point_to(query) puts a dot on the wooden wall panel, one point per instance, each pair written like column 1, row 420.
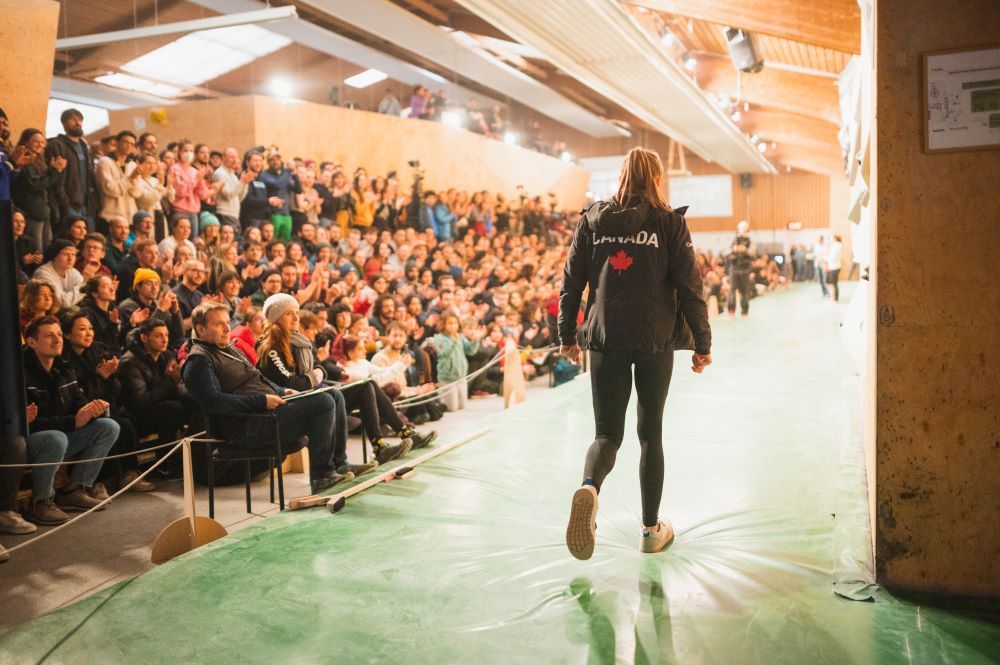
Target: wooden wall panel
column 772, row 201
column 28, row 33
column 450, row 157
column 937, row 432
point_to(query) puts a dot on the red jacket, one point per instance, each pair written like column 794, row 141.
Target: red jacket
column 243, row 339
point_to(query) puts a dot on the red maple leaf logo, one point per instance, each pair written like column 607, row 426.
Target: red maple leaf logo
column 620, row 261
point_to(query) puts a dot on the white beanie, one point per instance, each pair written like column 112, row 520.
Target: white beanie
column 277, row 305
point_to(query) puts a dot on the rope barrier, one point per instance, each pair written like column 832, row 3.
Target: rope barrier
column 427, row 397
column 94, row 459
column 103, row 503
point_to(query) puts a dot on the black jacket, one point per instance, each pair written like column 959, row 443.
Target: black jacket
column 75, row 188
column 105, row 330
column 644, row 282
column 144, row 380
column 300, row 376
column 56, row 392
column 94, row 386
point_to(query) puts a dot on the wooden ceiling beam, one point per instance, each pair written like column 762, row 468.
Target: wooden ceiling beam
column 834, row 24
column 812, row 96
column 792, row 128
column 806, row 160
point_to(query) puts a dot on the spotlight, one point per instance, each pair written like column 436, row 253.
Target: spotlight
column 754, row 139
column 281, row 88
column 510, row 138
column 566, row 156
column 736, row 116
column 762, row 147
column 667, row 39
column 690, row 63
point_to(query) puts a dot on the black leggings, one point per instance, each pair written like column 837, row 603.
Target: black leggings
column 832, row 278
column 611, row 385
column 739, row 281
column 375, row 408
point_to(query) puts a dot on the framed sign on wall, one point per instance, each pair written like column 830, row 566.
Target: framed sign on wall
column 962, row 99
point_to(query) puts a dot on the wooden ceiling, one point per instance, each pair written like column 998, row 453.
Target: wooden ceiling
column 793, row 100
column 805, row 45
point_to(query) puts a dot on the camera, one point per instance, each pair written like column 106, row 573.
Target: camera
column 322, row 339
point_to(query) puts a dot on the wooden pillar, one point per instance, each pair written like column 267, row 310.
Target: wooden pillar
column 28, row 33
column 937, row 430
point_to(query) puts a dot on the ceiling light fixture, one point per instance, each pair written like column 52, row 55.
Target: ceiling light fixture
column 281, row 88
column 366, row 78
column 566, row 156
column 690, row 63
column 736, row 116
column 510, row 138
column 762, row 147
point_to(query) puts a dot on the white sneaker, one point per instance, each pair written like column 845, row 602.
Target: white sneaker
column 12, row 522
column 656, row 538
column 581, row 532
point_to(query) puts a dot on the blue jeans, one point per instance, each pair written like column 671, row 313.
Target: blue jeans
column 313, row 416
column 92, row 440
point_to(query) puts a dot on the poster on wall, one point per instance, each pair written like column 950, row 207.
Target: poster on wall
column 962, row 99
column 707, row 195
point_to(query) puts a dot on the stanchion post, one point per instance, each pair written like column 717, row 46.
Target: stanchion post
column 513, row 375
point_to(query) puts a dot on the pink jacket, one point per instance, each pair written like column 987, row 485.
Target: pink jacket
column 189, row 188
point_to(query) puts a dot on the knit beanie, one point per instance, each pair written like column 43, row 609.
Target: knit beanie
column 144, row 275
column 139, row 216
column 208, row 219
column 277, row 305
column 52, row 251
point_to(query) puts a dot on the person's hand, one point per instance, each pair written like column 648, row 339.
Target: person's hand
column 163, row 303
column 33, row 258
column 58, row 163
column 174, row 305
column 247, row 177
column 113, row 316
column 21, row 156
column 173, row 370
column 406, row 359
column 87, row 413
column 138, row 316
column 106, row 368
column 323, row 351
column 90, row 269
column 571, row 351
column 243, row 304
column 32, row 412
column 273, row 402
column 275, row 201
column 346, row 378
column 700, row 362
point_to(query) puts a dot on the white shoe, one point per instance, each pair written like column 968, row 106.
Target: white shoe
column 581, row 532
column 656, row 538
column 12, row 522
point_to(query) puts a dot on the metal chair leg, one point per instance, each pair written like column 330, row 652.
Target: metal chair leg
column 246, row 468
column 364, row 445
column 211, row 484
column 270, row 473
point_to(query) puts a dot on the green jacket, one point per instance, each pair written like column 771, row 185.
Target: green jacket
column 452, row 363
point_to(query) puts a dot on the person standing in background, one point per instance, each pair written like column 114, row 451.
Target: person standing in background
column 740, row 261
column 833, row 264
column 389, row 104
column 819, row 260
column 76, row 192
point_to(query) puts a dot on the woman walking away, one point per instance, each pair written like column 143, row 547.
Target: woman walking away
column 635, row 254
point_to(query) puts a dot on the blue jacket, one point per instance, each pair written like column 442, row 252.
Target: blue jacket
column 442, row 221
column 281, row 184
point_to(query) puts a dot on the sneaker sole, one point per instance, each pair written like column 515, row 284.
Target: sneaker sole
column 580, row 531
column 35, row 520
column 19, row 531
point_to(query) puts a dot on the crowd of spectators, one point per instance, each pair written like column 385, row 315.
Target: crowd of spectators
column 491, row 122
column 131, row 252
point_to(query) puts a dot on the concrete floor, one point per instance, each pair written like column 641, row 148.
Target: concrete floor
column 113, row 545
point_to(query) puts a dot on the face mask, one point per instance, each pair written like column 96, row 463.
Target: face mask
column 188, row 156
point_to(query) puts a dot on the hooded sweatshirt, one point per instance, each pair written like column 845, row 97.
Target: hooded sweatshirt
column 645, row 288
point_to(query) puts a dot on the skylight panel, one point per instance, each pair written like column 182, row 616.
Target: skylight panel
column 127, row 82
column 94, row 117
column 366, row 78
column 207, row 54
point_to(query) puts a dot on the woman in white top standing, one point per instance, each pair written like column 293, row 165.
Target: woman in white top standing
column 833, row 267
